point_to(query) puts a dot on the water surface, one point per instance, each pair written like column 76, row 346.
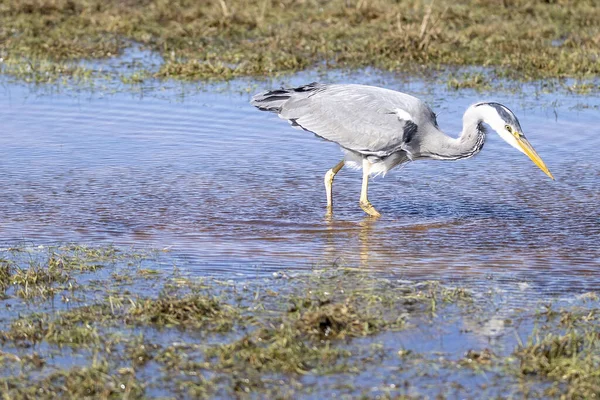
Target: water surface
column 237, row 192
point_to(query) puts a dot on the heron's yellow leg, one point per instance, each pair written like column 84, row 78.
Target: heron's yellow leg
column 365, row 204
column 329, row 184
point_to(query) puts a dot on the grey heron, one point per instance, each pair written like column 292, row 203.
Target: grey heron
column 379, row 129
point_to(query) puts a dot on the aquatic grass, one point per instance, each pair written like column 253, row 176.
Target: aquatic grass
column 52, row 270
column 192, row 310
column 141, row 351
column 341, row 305
column 83, row 326
column 40, row 71
column 39, row 281
column 56, row 269
column 279, row 349
column 475, row 359
column 5, row 274
column 84, row 258
column 354, row 316
column 26, row 362
column 76, row 327
column 478, row 81
column 25, row 331
column 572, row 359
column 36, row 274
column 583, row 87
column 450, row 295
column 330, row 330
column 299, row 342
column 41, row 40
column 337, row 321
column 96, row 381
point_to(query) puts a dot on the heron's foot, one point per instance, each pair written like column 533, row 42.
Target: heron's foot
column 369, row 209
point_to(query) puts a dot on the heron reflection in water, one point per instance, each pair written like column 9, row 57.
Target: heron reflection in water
column 380, row 129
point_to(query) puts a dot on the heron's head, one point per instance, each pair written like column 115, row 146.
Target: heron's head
column 503, row 121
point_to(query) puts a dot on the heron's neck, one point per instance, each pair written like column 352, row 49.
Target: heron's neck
column 470, row 141
column 472, row 137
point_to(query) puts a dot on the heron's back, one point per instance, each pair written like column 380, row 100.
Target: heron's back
column 290, row 98
column 368, row 120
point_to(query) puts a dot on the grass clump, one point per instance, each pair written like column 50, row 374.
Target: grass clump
column 5, row 274
column 77, row 327
column 306, row 338
column 38, row 280
column 83, row 326
column 324, row 319
column 39, row 71
column 45, row 273
column 140, row 351
column 94, row 382
column 192, row 310
column 571, row 359
column 337, row 321
column 83, row 259
column 37, row 274
column 280, row 349
column 476, row 81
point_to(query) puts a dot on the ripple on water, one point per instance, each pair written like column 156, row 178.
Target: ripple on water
column 234, row 190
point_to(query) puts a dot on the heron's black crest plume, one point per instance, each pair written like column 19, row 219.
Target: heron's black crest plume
column 505, row 113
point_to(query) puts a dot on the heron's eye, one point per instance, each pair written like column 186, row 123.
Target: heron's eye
column 508, row 128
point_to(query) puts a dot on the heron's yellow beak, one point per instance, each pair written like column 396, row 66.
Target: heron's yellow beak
column 528, row 149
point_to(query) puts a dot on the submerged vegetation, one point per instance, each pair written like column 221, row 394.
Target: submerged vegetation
column 43, row 40
column 312, row 333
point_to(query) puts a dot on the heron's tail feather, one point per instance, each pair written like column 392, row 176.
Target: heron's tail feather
column 273, row 100
column 270, row 101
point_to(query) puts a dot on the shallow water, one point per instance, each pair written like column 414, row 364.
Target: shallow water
column 237, row 192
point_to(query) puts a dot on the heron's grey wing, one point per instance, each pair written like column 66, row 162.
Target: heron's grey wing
column 364, row 119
